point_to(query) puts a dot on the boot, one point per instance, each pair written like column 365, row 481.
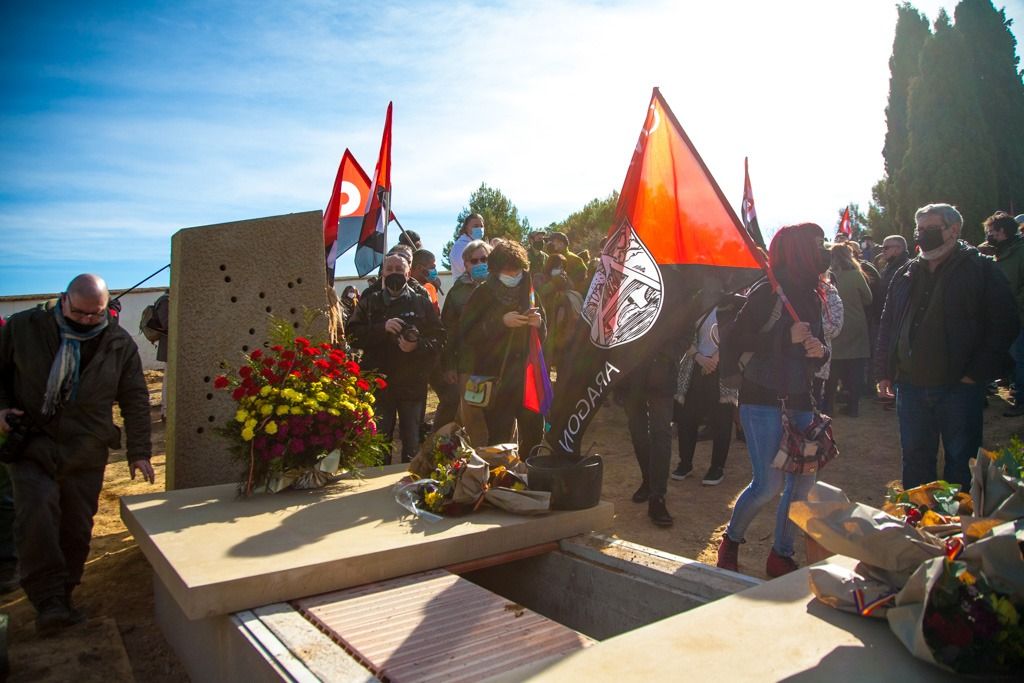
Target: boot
column 778, row 565
column 657, row 511
column 728, row 554
column 642, row 494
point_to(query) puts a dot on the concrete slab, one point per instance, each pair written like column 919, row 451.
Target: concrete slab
column 216, row 553
column 775, row 631
column 226, row 282
column 92, row 652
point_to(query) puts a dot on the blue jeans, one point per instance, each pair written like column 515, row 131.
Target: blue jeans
column 952, row 412
column 762, row 426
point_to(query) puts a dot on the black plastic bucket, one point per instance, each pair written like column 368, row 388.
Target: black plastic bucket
column 574, row 484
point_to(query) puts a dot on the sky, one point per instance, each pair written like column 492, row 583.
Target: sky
column 122, row 123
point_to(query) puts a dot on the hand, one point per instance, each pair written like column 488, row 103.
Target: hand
column 799, row 332
column 4, row 427
column 450, row 377
column 813, row 348
column 533, row 319
column 514, row 319
column 707, row 365
column 394, row 325
column 967, row 380
column 145, row 469
column 885, row 389
column 407, row 346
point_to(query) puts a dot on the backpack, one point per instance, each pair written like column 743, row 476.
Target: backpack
column 150, row 325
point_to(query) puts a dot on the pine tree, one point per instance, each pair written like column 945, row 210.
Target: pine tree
column 993, row 48
column 501, row 218
column 588, row 226
column 950, row 156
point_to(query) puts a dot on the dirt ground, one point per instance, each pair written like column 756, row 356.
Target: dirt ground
column 117, row 587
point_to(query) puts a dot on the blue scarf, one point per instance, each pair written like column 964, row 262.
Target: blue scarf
column 62, row 384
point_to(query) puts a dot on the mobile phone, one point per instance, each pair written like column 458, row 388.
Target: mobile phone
column 531, row 310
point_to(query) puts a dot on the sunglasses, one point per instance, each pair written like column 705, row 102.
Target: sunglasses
column 482, row 259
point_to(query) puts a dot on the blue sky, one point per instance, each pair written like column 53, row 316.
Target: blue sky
column 123, row 122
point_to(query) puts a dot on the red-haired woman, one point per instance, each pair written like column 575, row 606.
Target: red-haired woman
column 778, row 375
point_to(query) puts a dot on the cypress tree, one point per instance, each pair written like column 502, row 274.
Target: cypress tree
column 950, row 155
column 993, row 49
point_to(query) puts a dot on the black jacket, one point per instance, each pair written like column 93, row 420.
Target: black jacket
column 28, row 344
column 980, row 316
column 406, row 373
column 484, row 336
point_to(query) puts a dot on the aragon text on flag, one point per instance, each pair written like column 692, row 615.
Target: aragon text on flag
column 675, row 247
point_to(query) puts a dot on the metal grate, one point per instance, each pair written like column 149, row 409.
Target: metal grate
column 436, row 626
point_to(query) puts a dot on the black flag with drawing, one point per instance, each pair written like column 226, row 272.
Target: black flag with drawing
column 675, row 247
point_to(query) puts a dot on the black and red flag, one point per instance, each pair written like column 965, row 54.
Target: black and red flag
column 343, row 217
column 749, row 212
column 675, row 247
column 373, row 236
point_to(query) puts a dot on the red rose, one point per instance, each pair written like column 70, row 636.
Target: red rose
column 256, row 355
column 301, row 341
column 288, row 355
column 238, row 393
column 245, row 371
column 363, row 384
column 381, row 384
column 220, row 382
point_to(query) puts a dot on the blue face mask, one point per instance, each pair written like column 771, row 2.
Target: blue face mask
column 511, row 280
column 477, row 233
column 432, row 273
column 479, row 271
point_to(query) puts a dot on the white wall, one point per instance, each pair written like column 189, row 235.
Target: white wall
column 134, row 302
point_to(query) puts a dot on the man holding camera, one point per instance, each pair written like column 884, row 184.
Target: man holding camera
column 400, row 334
column 61, row 370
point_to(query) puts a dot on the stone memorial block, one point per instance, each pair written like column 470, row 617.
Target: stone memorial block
column 227, row 281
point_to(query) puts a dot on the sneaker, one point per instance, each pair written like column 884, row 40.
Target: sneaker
column 1016, row 410
column 642, row 494
column 681, row 473
column 657, row 511
column 714, row 477
column 53, row 614
column 728, row 554
column 778, row 565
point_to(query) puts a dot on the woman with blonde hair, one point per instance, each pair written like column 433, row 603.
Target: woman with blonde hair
column 852, row 346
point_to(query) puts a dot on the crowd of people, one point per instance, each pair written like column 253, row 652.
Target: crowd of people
column 931, row 332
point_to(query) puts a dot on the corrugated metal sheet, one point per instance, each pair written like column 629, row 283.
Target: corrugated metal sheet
column 436, row 626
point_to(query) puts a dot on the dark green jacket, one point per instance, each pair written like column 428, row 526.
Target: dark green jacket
column 28, row 344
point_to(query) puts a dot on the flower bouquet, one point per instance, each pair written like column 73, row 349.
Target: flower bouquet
column 450, row 478
column 304, row 413
column 950, row 583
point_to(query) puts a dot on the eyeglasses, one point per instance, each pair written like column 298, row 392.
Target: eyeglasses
column 474, row 261
column 85, row 314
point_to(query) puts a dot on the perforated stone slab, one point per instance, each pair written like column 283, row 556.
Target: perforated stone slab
column 226, row 282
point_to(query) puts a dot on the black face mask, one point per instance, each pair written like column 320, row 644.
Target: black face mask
column 395, row 282
column 930, row 240
column 79, row 327
column 824, row 260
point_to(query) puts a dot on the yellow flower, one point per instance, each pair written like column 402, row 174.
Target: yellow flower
column 282, row 410
column 265, row 390
column 296, row 410
column 967, row 578
column 291, row 395
column 321, row 396
column 432, row 498
column 316, row 386
column 370, row 398
column 350, row 390
column 270, row 427
column 266, row 409
column 241, row 416
column 334, row 411
column 1006, row 613
column 250, row 424
column 369, row 411
column 247, row 434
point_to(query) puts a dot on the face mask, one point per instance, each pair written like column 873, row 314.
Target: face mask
column 538, row 245
column 432, row 274
column 511, row 280
column 479, row 271
column 477, row 233
column 932, row 244
column 351, row 295
column 556, row 271
column 394, row 282
column 824, row 260
column 79, row 327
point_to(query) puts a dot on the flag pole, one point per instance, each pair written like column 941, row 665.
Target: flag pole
column 143, row 280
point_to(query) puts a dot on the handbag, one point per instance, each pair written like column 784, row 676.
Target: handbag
column 807, row 451
column 480, row 388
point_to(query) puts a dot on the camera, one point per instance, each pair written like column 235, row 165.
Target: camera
column 410, row 333
column 17, row 438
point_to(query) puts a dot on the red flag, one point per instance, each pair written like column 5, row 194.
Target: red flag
column 675, row 248
column 348, row 201
column 537, row 391
column 748, row 213
column 844, row 224
column 373, row 236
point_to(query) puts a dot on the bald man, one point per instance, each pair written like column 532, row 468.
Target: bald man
column 61, row 370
